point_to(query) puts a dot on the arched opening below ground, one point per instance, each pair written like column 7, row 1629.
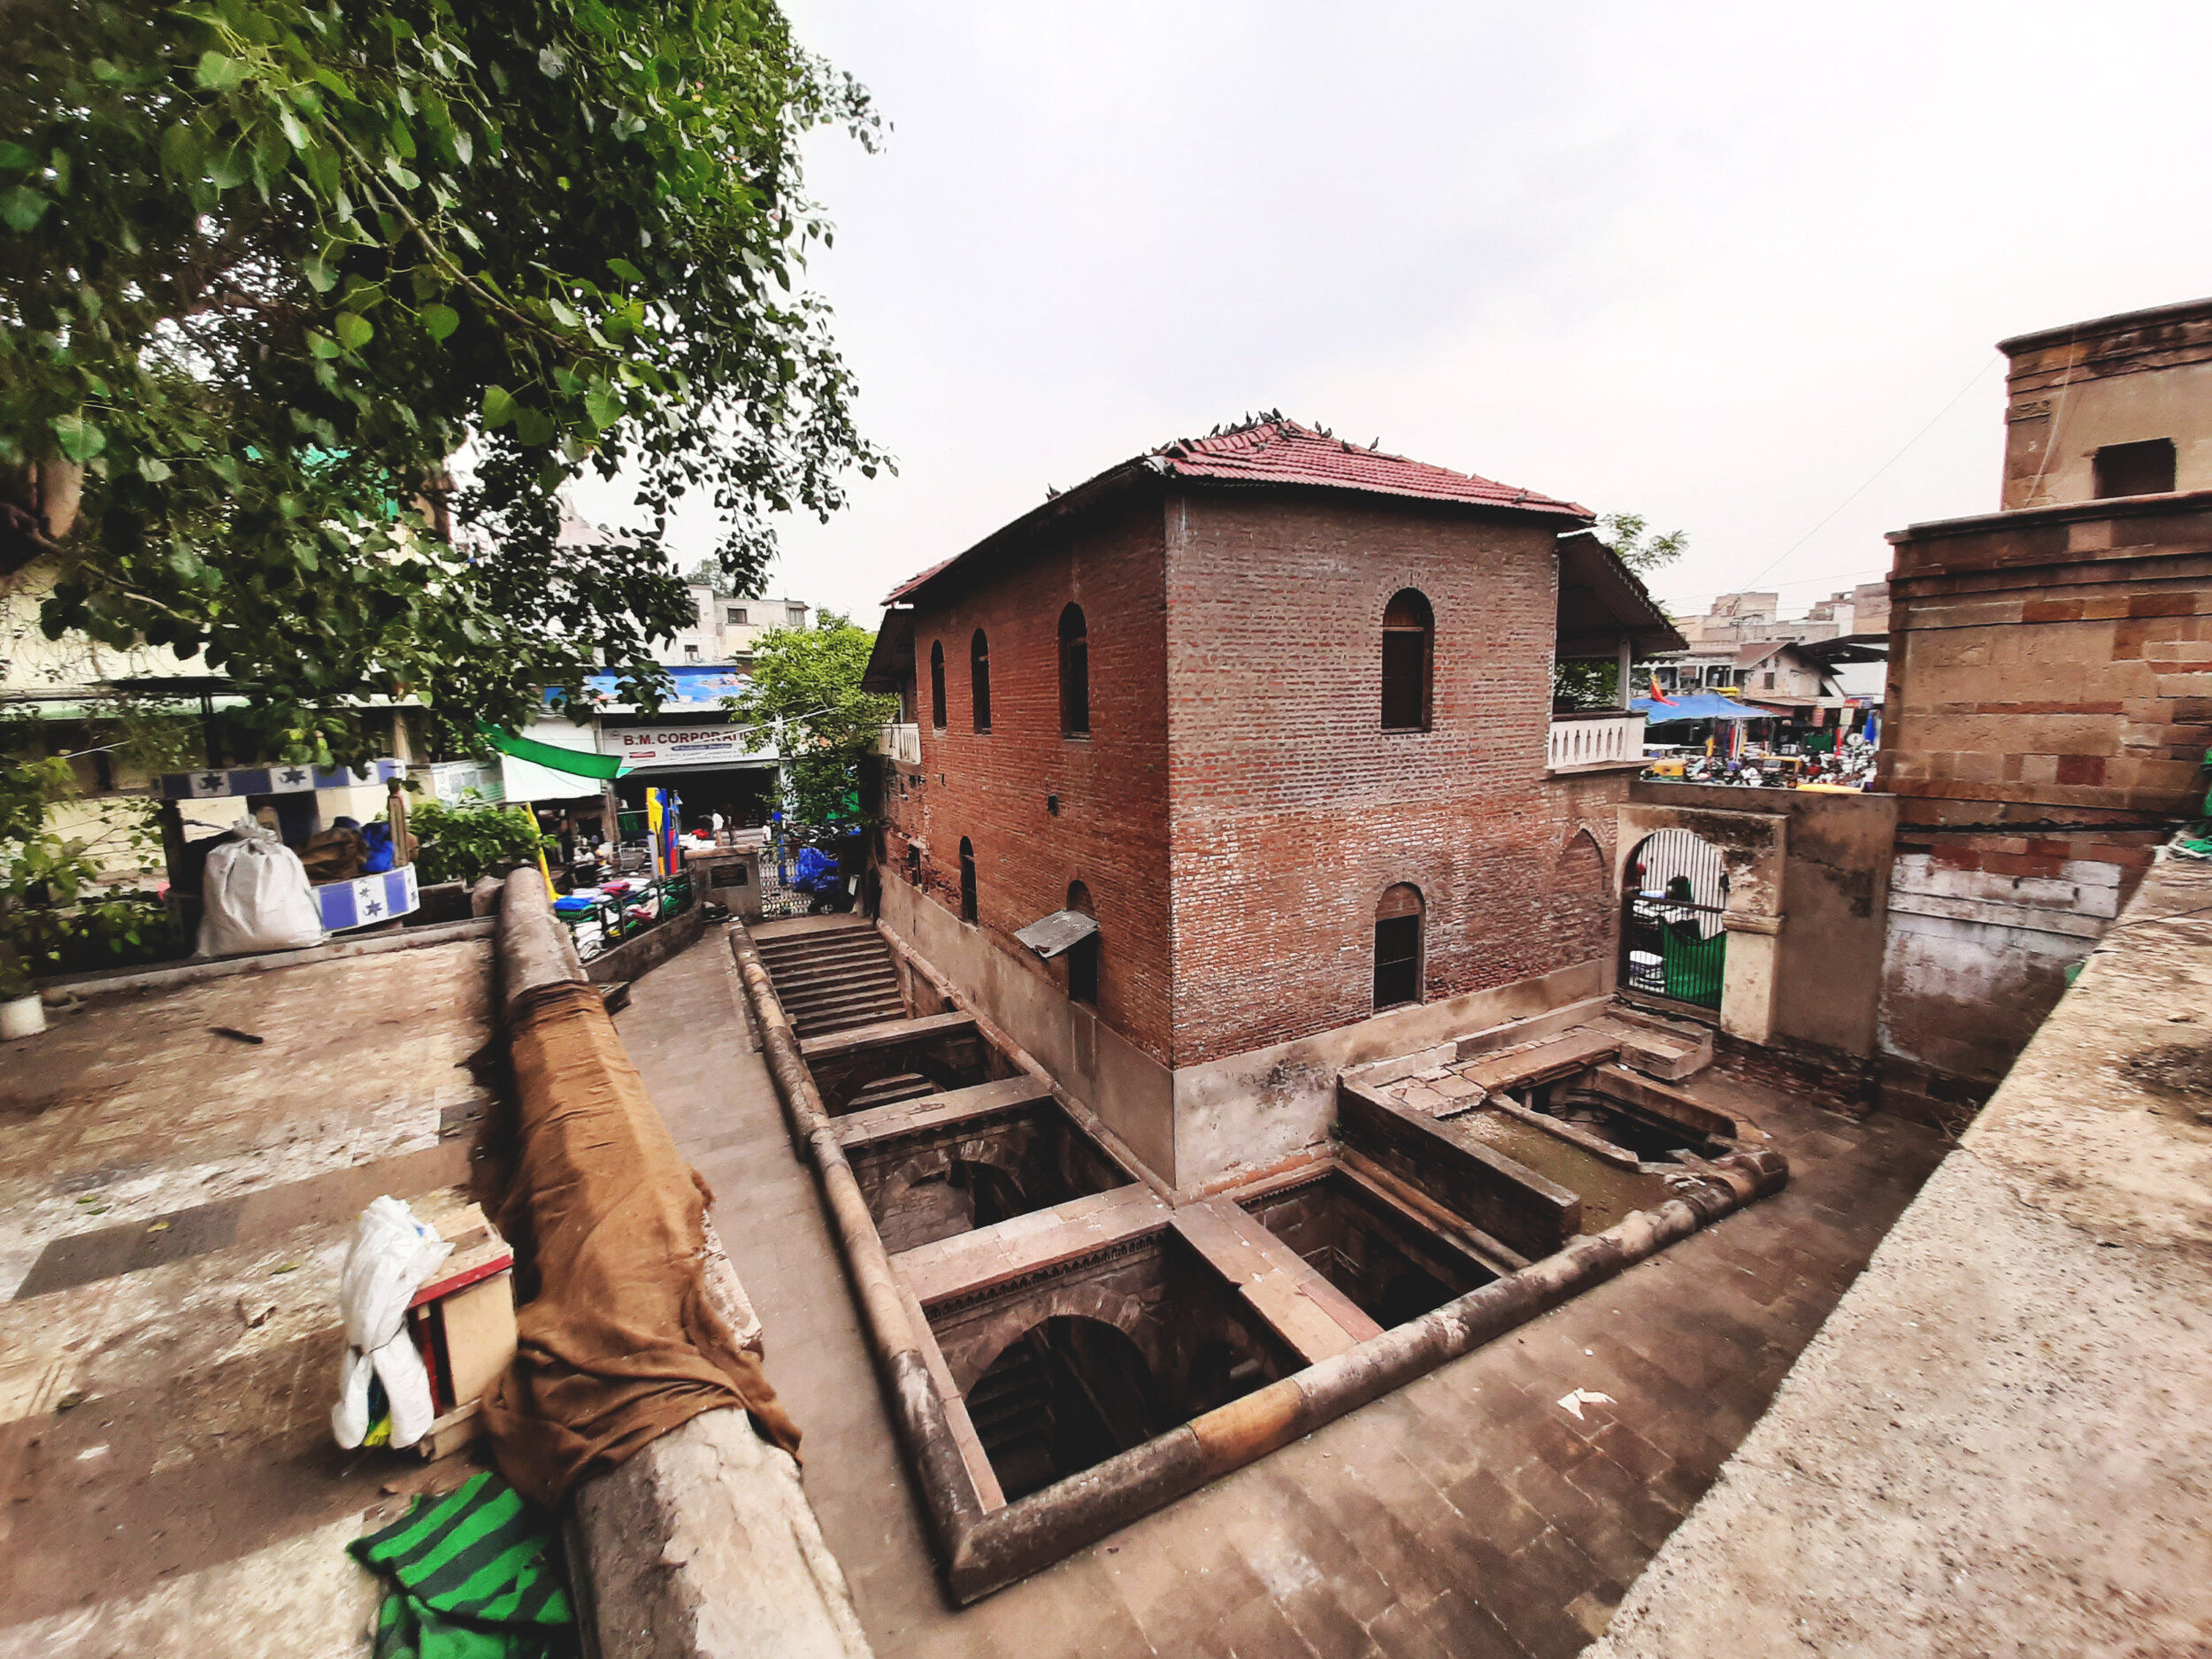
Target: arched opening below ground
column 1068, row 1393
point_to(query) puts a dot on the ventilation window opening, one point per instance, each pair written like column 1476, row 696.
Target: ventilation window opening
column 1075, row 674
column 937, row 684
column 967, row 880
column 1082, row 957
column 913, row 864
column 1398, row 947
column 2135, row 469
column 737, row 615
column 979, row 679
column 1407, row 656
column 691, row 653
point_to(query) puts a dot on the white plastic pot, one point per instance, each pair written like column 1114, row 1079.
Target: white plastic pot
column 22, row 1017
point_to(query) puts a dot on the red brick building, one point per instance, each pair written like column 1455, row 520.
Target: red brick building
column 1275, row 711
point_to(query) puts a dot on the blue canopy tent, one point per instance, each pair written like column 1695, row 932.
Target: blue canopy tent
column 1702, row 705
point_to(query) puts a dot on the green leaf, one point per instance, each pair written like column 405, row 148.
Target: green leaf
column 321, row 345
column 562, row 314
column 499, row 407
column 78, row 438
column 181, row 150
column 624, row 269
column 438, row 321
column 22, row 207
column 353, row 331
column 401, row 176
column 229, row 168
column 218, row 73
column 533, row 427
column 152, row 469
column 603, row 407
column 295, row 129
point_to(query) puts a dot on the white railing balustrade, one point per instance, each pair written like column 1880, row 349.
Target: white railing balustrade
column 901, row 743
column 1602, row 737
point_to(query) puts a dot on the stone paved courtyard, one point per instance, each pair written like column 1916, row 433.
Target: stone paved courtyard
column 1467, row 1514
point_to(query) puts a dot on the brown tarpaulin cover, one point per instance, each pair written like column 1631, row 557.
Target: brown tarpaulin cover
column 619, row 1344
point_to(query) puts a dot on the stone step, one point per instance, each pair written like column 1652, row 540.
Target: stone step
column 835, row 973
column 831, row 998
column 849, row 1016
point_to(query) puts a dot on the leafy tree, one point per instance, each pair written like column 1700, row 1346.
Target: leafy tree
column 1594, row 685
column 267, row 267
column 806, row 688
column 1642, row 550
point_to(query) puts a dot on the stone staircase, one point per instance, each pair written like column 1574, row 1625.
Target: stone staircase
column 833, row 979
column 1010, row 1406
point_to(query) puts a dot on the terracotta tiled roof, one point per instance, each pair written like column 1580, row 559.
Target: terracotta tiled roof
column 1277, row 452
column 1283, row 452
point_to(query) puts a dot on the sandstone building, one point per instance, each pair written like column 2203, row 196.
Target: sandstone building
column 2050, row 693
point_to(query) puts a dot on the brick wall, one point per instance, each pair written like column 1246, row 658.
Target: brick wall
column 1293, row 811
column 1110, row 831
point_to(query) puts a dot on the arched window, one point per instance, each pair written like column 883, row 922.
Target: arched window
column 1083, row 956
column 1408, row 649
column 967, row 875
column 979, row 679
column 1398, row 947
column 937, row 684
column 1075, row 674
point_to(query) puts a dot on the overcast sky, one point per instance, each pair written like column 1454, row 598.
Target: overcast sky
column 1714, row 264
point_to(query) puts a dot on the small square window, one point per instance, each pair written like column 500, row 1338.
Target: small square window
column 2135, row 469
column 737, row 615
column 691, row 653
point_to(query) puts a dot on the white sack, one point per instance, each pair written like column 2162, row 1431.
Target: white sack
column 391, row 1254
column 256, row 897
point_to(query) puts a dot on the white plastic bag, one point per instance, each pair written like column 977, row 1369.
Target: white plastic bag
column 256, row 896
column 391, row 1254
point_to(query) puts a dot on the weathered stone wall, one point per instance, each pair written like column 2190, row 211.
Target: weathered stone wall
column 1823, row 878
column 1155, row 1291
column 2115, row 380
column 2050, row 702
column 921, row 1186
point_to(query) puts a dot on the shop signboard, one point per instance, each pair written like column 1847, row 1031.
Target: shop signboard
column 708, row 742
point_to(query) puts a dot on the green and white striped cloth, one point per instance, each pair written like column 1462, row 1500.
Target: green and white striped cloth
column 470, row 1577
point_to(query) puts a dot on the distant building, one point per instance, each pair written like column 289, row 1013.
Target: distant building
column 725, row 627
column 730, row 626
column 1732, row 646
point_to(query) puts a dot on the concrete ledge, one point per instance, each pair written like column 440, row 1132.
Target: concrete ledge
column 702, row 1545
column 61, row 991
column 634, row 958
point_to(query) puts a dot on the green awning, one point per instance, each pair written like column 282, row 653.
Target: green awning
column 577, row 762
